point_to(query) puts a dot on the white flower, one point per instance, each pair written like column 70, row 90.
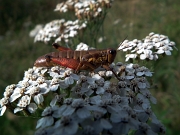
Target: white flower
column 122, row 123
column 57, row 99
column 100, row 123
column 148, row 95
column 33, row 89
column 54, row 84
column 16, row 94
column 130, row 76
column 78, row 106
column 128, row 56
column 149, row 48
column 109, row 73
column 44, row 131
column 141, row 101
column 143, row 71
column 60, row 29
column 2, row 110
column 101, row 39
column 144, row 129
column 23, row 83
column 34, row 32
column 9, row 90
column 158, row 127
column 72, row 33
column 146, row 54
column 84, row 9
column 3, row 102
column 82, row 46
column 164, row 49
column 48, row 114
column 66, row 126
column 24, row 101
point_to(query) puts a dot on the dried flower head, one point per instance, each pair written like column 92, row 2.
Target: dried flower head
column 86, row 9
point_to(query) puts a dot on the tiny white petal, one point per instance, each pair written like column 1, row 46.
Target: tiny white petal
column 168, row 52
column 148, row 73
column 68, row 80
column 74, row 76
column 109, row 73
column 105, row 124
column 95, row 99
column 2, row 110
column 17, row 109
column 62, row 108
column 160, row 51
column 69, row 111
column 143, row 56
column 54, row 87
column 54, row 74
column 140, row 51
column 129, row 77
column 91, row 80
column 153, row 100
column 129, row 66
column 141, row 85
column 53, row 101
column 32, row 107
column 100, row 90
column 83, row 113
column 14, row 96
column 96, row 77
column 140, row 73
column 73, row 126
column 38, row 98
column 45, row 122
column 63, row 85
column 43, row 71
column 127, row 58
column 97, row 108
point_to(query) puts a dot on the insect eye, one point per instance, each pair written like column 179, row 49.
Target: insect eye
column 112, row 51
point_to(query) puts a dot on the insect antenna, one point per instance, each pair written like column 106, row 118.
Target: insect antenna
column 121, row 43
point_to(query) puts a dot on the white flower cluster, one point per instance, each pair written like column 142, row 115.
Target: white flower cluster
column 82, row 46
column 86, row 103
column 84, row 9
column 35, row 31
column 60, row 30
column 148, row 48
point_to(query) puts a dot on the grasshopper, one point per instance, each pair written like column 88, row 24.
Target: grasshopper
column 78, row 60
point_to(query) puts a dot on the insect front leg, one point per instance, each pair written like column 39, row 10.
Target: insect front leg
column 83, row 65
column 89, row 62
column 111, row 69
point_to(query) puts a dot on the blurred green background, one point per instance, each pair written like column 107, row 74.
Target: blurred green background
column 135, row 18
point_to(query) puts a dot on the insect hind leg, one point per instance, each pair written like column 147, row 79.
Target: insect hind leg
column 84, row 65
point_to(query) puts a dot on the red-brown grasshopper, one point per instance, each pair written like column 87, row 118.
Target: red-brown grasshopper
column 78, row 60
